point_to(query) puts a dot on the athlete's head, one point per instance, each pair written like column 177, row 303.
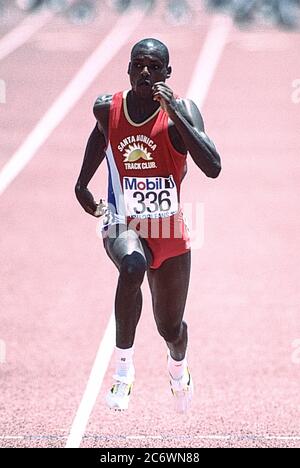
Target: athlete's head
column 149, row 64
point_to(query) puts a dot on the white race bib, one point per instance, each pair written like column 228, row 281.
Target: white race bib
column 150, row 197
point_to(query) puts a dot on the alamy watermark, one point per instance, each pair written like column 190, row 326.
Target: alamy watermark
column 2, row 352
column 296, row 92
column 2, row 92
column 158, row 222
column 296, row 352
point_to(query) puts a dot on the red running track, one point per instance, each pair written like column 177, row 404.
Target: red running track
column 57, row 286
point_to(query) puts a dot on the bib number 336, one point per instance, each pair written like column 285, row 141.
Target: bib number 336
column 151, row 197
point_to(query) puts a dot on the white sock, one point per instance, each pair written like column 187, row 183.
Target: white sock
column 124, row 362
column 176, row 368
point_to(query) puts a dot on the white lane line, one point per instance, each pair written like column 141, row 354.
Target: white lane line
column 93, row 386
column 103, row 54
column 208, row 61
column 22, row 32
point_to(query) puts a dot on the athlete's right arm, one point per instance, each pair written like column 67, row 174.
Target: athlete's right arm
column 94, row 155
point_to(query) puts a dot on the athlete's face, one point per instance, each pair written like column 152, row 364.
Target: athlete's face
column 147, row 67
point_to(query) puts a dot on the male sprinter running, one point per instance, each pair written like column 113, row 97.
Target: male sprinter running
column 145, row 134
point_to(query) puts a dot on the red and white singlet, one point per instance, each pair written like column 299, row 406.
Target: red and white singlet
column 145, row 175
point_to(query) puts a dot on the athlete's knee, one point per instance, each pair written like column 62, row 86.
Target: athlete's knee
column 172, row 332
column 169, row 332
column 133, row 268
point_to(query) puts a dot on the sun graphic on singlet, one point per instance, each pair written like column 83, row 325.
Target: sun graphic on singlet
column 135, row 152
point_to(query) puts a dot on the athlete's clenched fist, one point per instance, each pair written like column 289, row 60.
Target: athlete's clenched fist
column 165, row 96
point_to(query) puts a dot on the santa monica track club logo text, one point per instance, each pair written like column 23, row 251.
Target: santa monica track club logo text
column 136, row 148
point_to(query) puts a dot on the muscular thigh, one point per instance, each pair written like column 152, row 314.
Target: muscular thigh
column 169, row 286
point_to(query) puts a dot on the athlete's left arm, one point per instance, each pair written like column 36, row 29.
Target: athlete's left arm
column 189, row 124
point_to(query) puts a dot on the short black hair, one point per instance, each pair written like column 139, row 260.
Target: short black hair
column 155, row 44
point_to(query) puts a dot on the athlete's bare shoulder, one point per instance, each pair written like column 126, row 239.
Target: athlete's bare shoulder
column 103, row 99
column 102, row 105
column 101, row 111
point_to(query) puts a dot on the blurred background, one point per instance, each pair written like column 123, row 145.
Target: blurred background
column 281, row 13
